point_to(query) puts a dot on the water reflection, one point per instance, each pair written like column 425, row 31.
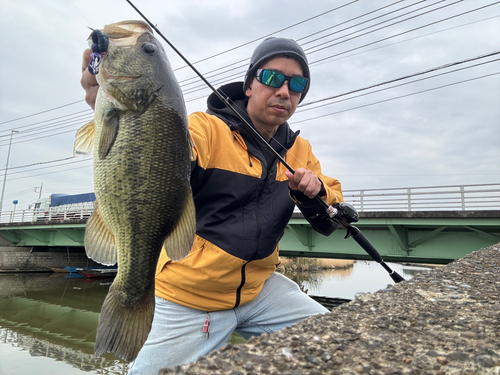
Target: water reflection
column 55, row 317
column 365, row 276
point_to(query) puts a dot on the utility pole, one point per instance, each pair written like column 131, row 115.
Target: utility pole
column 35, row 189
column 6, row 169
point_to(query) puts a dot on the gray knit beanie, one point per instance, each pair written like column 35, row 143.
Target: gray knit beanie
column 275, row 47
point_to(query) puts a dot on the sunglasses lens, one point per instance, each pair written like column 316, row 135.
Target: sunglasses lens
column 275, row 79
column 298, row 84
column 272, row 79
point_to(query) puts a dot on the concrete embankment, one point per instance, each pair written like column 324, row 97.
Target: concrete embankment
column 28, row 259
column 445, row 321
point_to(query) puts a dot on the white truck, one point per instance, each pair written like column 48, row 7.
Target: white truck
column 64, row 207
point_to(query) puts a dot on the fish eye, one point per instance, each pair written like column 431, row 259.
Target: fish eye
column 149, row 48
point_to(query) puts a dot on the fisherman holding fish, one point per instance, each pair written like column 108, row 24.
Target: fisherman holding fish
column 243, row 199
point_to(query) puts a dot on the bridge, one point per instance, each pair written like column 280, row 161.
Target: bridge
column 436, row 224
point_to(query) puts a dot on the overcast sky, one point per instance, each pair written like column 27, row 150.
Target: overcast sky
column 420, row 131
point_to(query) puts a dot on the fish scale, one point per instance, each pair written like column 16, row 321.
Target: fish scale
column 141, row 147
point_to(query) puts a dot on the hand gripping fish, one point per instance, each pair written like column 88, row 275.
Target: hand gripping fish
column 142, row 151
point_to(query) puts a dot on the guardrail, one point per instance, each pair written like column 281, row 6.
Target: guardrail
column 429, row 198
column 31, row 216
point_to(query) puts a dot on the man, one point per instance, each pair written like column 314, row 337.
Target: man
column 244, row 199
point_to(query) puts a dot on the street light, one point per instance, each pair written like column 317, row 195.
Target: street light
column 6, row 168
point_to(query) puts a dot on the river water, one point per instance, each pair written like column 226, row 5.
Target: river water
column 48, row 322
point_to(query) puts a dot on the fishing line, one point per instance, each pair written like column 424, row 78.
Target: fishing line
column 331, row 211
column 279, row 144
column 220, row 94
column 344, row 214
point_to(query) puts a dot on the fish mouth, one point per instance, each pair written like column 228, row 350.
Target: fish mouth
column 109, row 76
column 122, row 78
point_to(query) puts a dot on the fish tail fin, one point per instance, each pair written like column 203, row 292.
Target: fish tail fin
column 123, row 329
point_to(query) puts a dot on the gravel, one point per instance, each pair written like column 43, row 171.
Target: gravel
column 445, row 321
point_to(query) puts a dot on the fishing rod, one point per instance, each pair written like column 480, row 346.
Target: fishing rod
column 343, row 213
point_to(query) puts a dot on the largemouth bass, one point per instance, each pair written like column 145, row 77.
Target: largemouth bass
column 142, row 148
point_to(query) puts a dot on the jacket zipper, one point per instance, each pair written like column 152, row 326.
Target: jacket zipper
column 238, row 291
column 257, row 211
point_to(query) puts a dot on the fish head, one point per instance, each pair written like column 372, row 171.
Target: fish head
column 131, row 67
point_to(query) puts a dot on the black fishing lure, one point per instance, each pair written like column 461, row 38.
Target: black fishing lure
column 100, row 44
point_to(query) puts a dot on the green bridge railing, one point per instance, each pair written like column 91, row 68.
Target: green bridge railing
column 421, row 225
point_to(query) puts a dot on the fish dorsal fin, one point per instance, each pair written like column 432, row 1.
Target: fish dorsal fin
column 85, row 139
column 99, row 241
column 179, row 242
column 109, row 132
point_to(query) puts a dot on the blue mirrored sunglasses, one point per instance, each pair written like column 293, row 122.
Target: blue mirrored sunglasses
column 276, row 79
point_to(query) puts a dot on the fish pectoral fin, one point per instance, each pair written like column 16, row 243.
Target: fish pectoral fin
column 85, row 139
column 179, row 242
column 109, row 132
column 99, row 241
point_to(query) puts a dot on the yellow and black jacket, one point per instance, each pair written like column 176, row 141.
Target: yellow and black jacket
column 242, row 204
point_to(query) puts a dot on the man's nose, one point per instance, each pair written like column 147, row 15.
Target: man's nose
column 283, row 91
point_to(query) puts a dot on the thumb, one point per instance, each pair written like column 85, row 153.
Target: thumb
column 292, row 184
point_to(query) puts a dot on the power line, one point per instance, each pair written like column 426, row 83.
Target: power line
column 73, row 126
column 397, row 97
column 245, row 61
column 268, row 35
column 202, row 87
column 372, row 19
column 329, row 98
column 402, row 33
column 45, row 121
column 39, row 113
column 40, row 163
column 406, row 77
column 311, row 18
column 361, row 16
column 196, row 78
column 53, row 166
column 380, row 28
column 401, row 84
column 413, row 38
column 47, row 173
column 357, row 53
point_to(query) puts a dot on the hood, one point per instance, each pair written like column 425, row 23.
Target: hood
column 236, row 97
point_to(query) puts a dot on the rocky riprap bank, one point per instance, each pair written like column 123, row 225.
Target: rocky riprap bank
column 445, row 321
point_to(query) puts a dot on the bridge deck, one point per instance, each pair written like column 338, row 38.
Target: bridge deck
column 420, row 236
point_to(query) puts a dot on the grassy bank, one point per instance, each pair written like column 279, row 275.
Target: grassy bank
column 298, row 264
